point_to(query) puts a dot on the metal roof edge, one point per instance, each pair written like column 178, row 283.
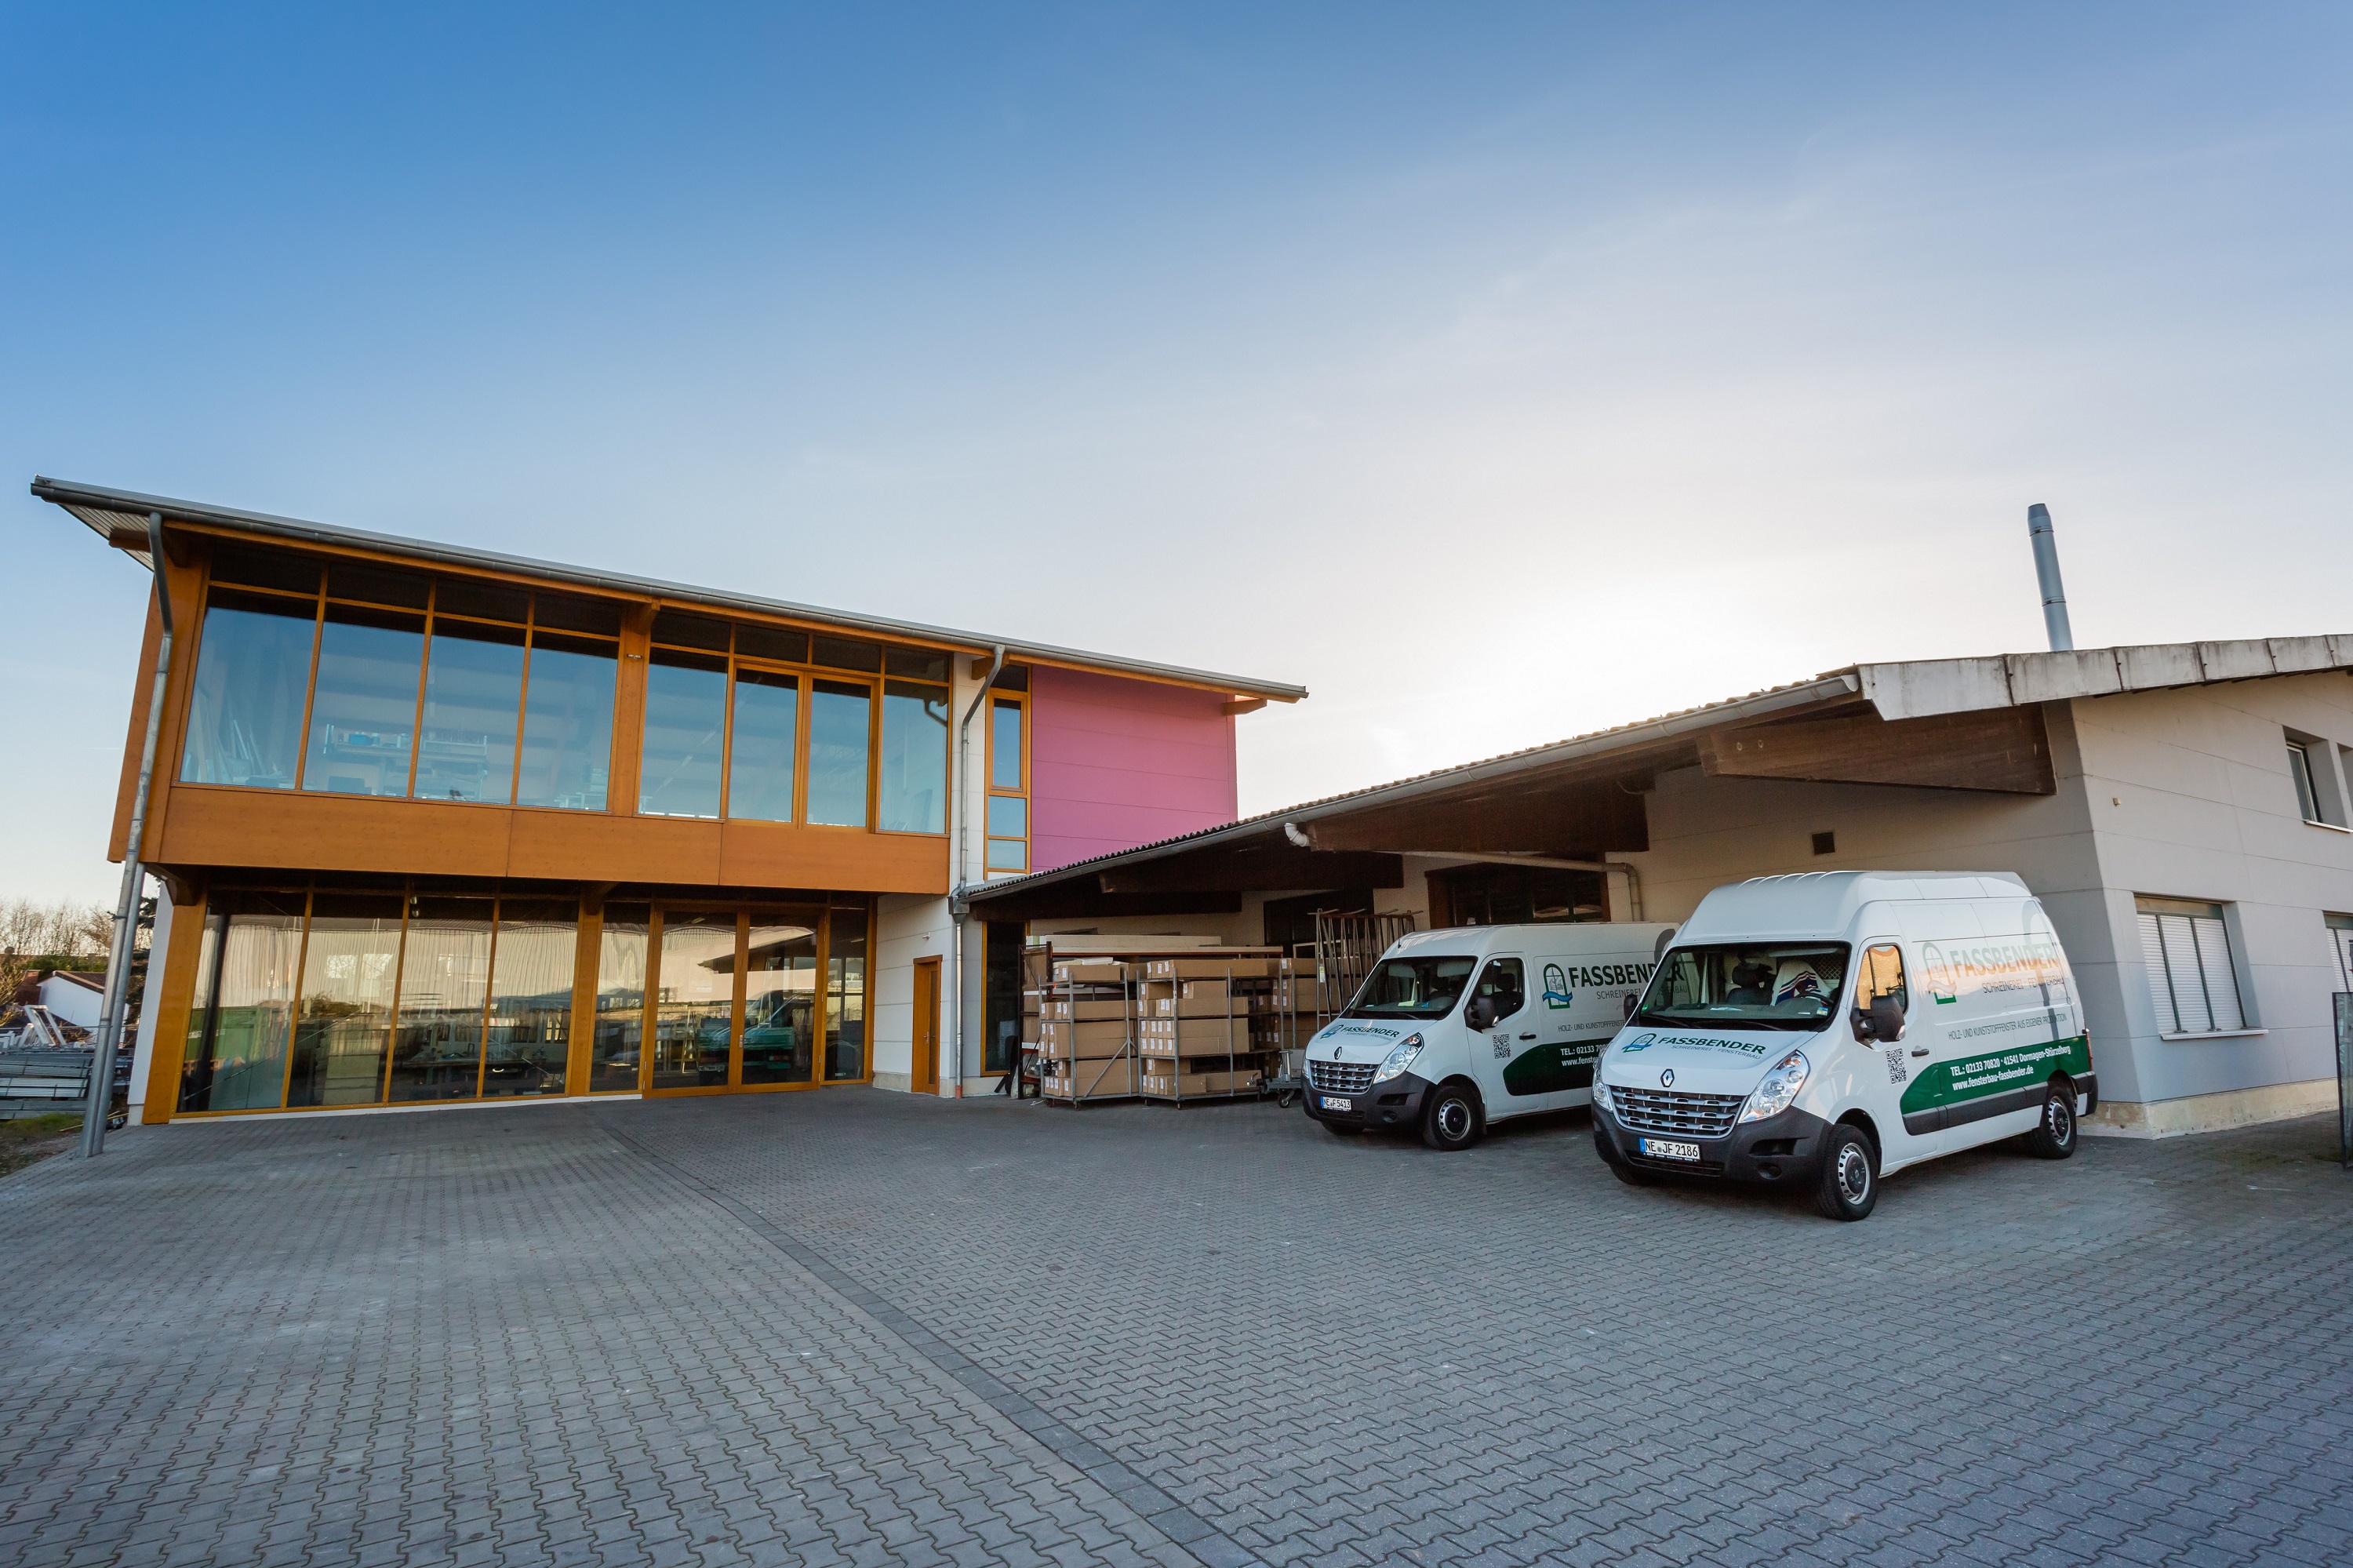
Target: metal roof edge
column 67, row 494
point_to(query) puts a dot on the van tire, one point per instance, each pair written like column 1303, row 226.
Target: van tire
column 1848, row 1188
column 2054, row 1136
column 1452, row 1120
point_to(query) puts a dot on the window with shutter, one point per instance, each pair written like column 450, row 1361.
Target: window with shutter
column 2191, row 982
column 2340, row 942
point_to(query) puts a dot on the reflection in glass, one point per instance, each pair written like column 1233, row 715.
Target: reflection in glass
column 621, row 1001
column 838, row 753
column 1008, row 817
column 760, row 755
column 914, row 758
column 363, row 710
column 695, row 1017
column 780, row 998
column 686, row 717
column 1004, row 745
column 245, row 707
column 1008, row 854
column 235, row 1058
column 567, row 724
column 845, row 985
column 530, row 1031
column 445, row 975
column 349, row 964
column 473, row 695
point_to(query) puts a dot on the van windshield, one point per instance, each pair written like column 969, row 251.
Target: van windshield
column 1412, row 988
column 1747, row 985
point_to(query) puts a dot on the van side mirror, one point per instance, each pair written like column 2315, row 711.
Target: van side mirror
column 1882, row 1021
column 1478, row 1012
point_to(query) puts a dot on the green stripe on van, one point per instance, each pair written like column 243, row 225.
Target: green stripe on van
column 1995, row 1073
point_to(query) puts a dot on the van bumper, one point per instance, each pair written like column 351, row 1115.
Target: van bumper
column 1779, row 1151
column 1394, row 1104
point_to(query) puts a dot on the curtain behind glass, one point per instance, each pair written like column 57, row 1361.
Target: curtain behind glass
column 914, row 758
column 363, row 704
column 686, row 718
column 245, row 707
column 350, row 966
column 760, row 751
column 695, row 1017
column 445, row 973
column 531, row 997
column 615, row 1050
column 838, row 753
column 235, row 1058
column 780, row 997
column 473, row 697
column 567, row 725
column 845, row 1012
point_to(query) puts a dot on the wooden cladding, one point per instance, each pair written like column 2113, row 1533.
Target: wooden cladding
column 2001, row 750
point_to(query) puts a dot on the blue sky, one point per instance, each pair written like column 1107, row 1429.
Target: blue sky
column 1498, row 372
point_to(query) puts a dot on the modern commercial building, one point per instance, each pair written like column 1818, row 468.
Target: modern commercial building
column 2182, row 811
column 435, row 825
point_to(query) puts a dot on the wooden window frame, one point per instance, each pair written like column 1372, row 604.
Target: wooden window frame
column 991, row 790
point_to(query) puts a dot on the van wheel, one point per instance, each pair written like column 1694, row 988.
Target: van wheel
column 1849, row 1187
column 1450, row 1121
column 2054, row 1136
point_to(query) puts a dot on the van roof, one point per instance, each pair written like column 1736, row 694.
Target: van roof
column 1822, row 902
column 1562, row 936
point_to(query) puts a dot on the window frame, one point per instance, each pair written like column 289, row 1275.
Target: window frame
column 2149, row 913
column 1018, row 700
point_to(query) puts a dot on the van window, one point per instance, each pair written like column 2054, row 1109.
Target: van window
column 1505, row 980
column 1412, row 988
column 1880, row 973
column 1747, row 985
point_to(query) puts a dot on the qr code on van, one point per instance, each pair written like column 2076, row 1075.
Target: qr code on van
column 1503, row 1049
column 1895, row 1074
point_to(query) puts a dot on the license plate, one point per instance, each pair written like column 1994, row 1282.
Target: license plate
column 1335, row 1102
column 1669, row 1149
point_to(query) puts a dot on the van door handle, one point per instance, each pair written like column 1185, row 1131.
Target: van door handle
column 1527, row 1036
column 1919, row 1050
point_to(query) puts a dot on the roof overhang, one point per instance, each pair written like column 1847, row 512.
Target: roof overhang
column 114, row 513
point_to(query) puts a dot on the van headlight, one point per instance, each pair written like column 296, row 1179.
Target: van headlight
column 1600, row 1094
column 1780, row 1086
column 1398, row 1060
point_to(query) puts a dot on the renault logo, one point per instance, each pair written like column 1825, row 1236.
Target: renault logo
column 1667, row 1079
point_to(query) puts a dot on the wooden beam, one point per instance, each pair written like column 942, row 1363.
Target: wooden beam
column 2006, row 750
column 1261, row 868
column 1570, row 822
column 1242, row 705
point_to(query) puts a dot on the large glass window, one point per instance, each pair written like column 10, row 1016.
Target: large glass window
column 914, row 794
column 235, row 1058
column 567, row 724
column 844, row 984
column 351, row 964
column 780, row 997
column 685, row 732
column 364, row 703
column 614, row 1052
column 695, row 1019
column 474, row 701
column 760, row 756
column 445, row 977
column 528, row 1036
column 245, row 708
column 838, row 748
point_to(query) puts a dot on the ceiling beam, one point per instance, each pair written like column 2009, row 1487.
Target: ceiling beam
column 2005, row 750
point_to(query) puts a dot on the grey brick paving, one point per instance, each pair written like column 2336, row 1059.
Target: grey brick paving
column 856, row 1328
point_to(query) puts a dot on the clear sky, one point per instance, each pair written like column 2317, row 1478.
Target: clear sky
column 1498, row 372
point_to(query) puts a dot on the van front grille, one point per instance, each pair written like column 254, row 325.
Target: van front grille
column 1341, row 1077
column 1672, row 1111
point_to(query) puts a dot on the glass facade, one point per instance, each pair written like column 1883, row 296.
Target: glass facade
column 445, row 978
column 567, row 723
column 342, row 1024
column 619, row 1043
column 694, row 1020
column 245, row 707
column 685, row 735
column 839, row 726
column 914, row 789
column 527, row 1034
column 473, row 706
column 1008, row 815
column 766, row 735
column 780, row 997
column 845, row 983
column 242, row 1012
column 364, row 702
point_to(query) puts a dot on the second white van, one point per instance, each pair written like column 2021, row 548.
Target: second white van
column 1823, row 1030
column 1458, row 1029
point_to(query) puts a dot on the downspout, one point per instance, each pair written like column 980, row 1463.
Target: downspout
column 957, row 908
column 117, row 999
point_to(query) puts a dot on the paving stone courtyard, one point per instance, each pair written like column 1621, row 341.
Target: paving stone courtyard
column 860, row 1328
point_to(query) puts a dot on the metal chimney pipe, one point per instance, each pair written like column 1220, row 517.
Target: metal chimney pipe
column 2046, row 569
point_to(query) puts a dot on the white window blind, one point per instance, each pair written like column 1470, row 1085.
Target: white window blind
column 2190, row 980
column 2340, row 942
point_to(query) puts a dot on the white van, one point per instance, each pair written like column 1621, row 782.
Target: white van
column 1825, row 1029
column 1427, row 1047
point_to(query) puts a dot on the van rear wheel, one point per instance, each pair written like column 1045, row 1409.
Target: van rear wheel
column 1849, row 1186
column 1450, row 1123
column 2054, row 1136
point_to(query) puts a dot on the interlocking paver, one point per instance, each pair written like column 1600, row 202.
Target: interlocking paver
column 633, row 1334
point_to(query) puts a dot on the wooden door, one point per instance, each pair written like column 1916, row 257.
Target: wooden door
column 925, row 1077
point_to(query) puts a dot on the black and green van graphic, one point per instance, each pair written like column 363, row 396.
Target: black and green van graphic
column 1549, row 1069
column 1992, row 1082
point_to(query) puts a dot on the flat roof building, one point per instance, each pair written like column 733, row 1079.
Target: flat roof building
column 436, row 825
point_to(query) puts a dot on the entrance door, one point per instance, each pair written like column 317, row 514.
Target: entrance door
column 925, row 1077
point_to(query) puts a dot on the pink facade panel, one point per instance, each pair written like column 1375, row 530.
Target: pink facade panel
column 1116, row 763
